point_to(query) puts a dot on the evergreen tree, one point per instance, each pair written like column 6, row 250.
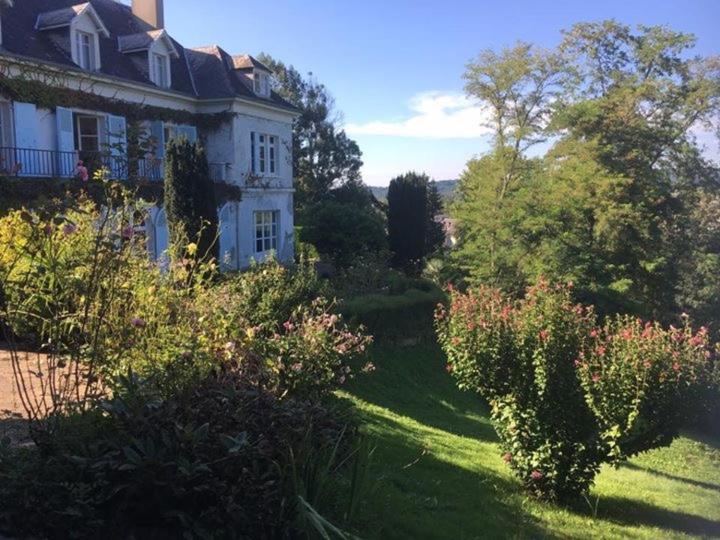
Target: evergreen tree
column 190, row 202
column 435, row 234
column 408, row 220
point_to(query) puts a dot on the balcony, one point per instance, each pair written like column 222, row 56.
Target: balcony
column 32, row 163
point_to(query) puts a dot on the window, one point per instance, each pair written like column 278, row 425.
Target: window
column 260, row 81
column 264, row 153
column 266, row 231
column 85, row 45
column 160, row 69
column 87, row 131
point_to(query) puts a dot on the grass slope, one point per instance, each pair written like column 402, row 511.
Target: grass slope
column 438, row 471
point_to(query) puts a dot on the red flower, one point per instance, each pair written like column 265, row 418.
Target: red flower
column 544, row 335
column 593, row 333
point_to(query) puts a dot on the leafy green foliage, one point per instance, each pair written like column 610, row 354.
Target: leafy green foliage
column 610, row 206
column 566, row 395
column 345, row 225
column 190, row 198
column 214, row 460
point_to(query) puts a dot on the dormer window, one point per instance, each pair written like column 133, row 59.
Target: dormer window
column 85, row 29
column 85, row 48
column 152, row 50
column 261, row 82
column 161, row 70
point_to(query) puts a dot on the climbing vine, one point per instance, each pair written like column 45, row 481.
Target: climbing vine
column 47, row 89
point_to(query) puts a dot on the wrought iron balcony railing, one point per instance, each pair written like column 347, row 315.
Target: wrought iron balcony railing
column 30, row 162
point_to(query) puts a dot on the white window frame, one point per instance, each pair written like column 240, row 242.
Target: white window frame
column 80, row 135
column 160, row 77
column 265, row 152
column 261, row 83
column 266, row 228
column 81, row 48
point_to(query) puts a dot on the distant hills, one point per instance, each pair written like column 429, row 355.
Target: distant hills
column 445, row 187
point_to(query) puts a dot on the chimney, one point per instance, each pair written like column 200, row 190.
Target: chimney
column 150, row 11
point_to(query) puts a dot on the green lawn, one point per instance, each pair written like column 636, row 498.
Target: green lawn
column 438, row 471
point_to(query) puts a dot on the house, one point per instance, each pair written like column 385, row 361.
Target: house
column 77, row 78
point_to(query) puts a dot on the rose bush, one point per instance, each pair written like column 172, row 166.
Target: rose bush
column 567, row 395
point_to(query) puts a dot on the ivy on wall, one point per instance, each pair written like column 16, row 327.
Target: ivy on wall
column 35, row 90
column 27, row 192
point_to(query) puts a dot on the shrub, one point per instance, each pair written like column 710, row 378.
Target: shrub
column 566, row 394
column 273, row 322
column 343, row 231
column 217, row 460
column 395, row 318
column 190, row 198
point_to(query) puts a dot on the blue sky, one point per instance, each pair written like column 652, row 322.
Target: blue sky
column 395, row 66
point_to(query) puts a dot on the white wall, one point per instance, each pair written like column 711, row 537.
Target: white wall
column 244, row 125
column 257, row 200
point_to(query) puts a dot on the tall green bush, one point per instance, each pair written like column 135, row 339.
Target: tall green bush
column 190, row 201
column 566, row 394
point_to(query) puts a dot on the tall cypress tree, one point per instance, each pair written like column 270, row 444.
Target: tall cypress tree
column 190, row 202
column 407, row 219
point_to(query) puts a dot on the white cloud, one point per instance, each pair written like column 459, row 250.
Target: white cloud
column 436, row 115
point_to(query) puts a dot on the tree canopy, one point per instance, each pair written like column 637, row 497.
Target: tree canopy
column 612, row 203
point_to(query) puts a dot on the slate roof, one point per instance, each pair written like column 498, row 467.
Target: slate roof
column 204, row 73
column 140, row 41
column 245, row 61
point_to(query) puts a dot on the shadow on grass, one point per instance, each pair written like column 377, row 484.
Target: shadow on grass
column 412, row 382
column 417, row 495
column 634, row 512
column 696, row 483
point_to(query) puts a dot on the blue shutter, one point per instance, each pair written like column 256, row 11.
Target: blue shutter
column 66, row 157
column 228, row 237
column 189, row 132
column 26, row 130
column 158, row 133
column 117, row 146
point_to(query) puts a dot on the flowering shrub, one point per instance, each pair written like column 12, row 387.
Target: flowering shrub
column 566, row 394
column 273, row 324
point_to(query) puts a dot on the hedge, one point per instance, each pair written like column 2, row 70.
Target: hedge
column 396, row 318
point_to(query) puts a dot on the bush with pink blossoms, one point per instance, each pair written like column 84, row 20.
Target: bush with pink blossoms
column 567, row 394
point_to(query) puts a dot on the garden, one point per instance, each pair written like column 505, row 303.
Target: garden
column 555, row 374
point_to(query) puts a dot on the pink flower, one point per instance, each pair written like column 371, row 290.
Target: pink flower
column 230, row 346
column 676, row 367
column 593, row 333
column 600, row 351
column 596, row 377
column 81, row 171
column 297, row 368
column 138, row 322
column 456, row 341
column 368, row 368
column 449, row 368
column 288, row 325
column 647, row 364
column 536, row 475
column 507, row 457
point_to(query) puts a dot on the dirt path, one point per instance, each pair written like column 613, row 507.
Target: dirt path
column 9, row 400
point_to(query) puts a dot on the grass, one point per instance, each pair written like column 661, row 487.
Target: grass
column 438, row 471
